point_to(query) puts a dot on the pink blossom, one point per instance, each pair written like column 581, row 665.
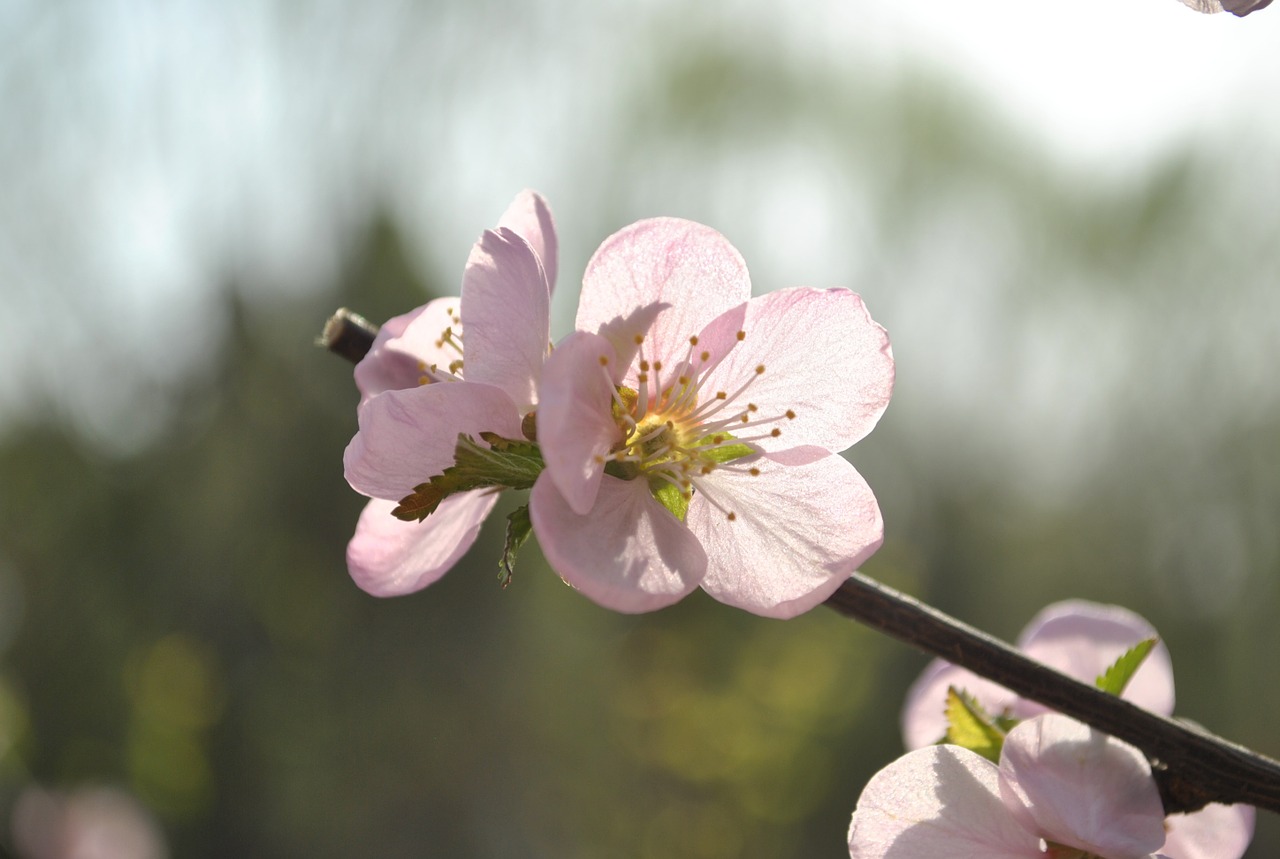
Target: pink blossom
column 691, row 432
column 1240, row 8
column 1061, row 790
column 1081, row 639
column 418, row 394
column 87, row 823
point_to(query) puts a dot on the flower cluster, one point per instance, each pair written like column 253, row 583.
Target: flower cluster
column 685, row 434
column 1056, row 787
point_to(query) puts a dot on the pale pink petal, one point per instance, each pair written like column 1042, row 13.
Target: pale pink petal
column 797, row 531
column 409, row 436
column 1082, row 639
column 405, row 345
column 575, row 420
column 389, row 557
column 823, row 358
column 628, row 554
column 1082, row 788
column 688, row 267
column 924, row 717
column 529, row 217
column 940, row 801
column 505, row 314
column 1214, row 832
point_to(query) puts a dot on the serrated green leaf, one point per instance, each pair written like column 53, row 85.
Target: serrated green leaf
column 670, row 497
column 518, row 530
column 969, row 726
column 504, row 464
column 1114, row 680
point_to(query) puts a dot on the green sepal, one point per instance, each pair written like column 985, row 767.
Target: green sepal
column 518, row 530
column 670, row 497
column 505, row 464
column 1117, row 677
column 724, row 453
column 969, row 726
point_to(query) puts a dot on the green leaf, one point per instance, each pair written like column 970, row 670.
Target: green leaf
column 505, row 464
column 713, row 449
column 670, row 497
column 968, row 725
column 518, row 530
column 1115, row 678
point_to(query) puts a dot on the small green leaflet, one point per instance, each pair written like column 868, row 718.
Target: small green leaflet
column 670, row 497
column 969, row 726
column 518, row 530
column 1115, row 678
column 725, row 453
column 505, row 464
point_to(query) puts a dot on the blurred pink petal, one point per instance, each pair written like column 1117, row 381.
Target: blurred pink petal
column 940, row 801
column 1240, row 8
column 88, row 823
column 797, row 532
column 1081, row 788
column 505, row 316
column 1079, row 638
column 924, row 717
column 1082, row 639
column 407, row 437
column 389, row 557
column 1214, row 832
column 629, row 554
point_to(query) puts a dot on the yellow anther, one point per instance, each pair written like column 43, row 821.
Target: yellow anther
column 732, row 516
column 639, row 338
column 705, row 356
column 604, row 361
column 755, row 472
column 791, row 415
column 776, row 432
column 759, row 369
column 742, row 335
column 693, row 341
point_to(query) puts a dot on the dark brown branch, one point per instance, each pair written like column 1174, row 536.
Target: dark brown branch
column 348, row 334
column 1191, row 766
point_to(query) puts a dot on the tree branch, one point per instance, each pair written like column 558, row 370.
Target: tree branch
column 1191, row 766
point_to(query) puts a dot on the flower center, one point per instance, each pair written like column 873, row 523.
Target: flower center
column 450, row 340
column 677, row 430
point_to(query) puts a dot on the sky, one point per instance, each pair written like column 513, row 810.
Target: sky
column 151, row 151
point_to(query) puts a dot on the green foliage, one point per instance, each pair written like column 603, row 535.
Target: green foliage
column 505, row 464
column 1117, row 676
column 519, row 529
column 968, row 725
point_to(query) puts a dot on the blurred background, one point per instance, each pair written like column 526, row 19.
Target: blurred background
column 1066, row 218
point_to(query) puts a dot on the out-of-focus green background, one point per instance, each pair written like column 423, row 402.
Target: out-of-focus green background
column 1087, row 402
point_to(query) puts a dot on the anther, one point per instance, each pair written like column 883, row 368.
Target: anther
column 759, row 369
column 776, row 432
column 639, row 338
column 742, row 335
column 791, row 415
column 604, row 360
column 732, row 515
column 693, row 341
column 755, row 472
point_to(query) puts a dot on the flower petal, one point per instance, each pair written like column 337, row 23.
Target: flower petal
column 404, row 345
column 575, row 418
column 1082, row 788
column 924, row 717
column 628, row 554
column 505, row 314
column 823, row 358
column 688, row 267
column 1214, row 832
column 937, row 801
column 388, row 557
column 797, row 531
column 529, row 217
column 1082, row 639
column 409, row 436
